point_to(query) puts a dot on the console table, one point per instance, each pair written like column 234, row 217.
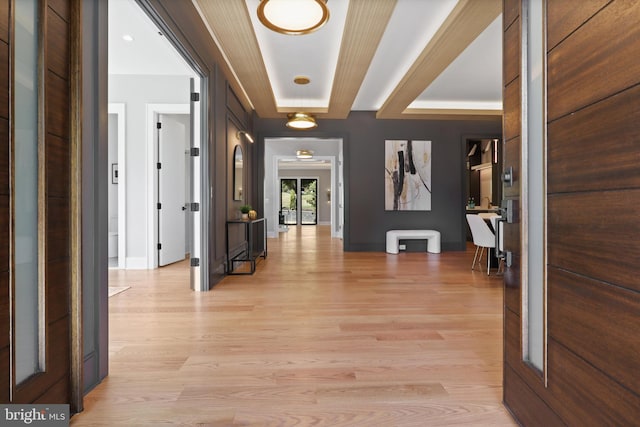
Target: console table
column 250, row 254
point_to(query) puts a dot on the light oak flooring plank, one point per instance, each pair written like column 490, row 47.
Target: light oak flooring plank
column 316, row 337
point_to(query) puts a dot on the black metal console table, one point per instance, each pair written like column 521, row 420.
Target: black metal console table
column 250, row 254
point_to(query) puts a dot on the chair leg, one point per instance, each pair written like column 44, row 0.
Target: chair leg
column 488, row 260
column 474, row 258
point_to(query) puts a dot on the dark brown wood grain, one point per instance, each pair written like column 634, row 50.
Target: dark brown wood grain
column 58, row 282
column 57, row 40
column 598, row 322
column 4, row 80
column 61, row 7
column 596, row 61
column 585, row 396
column 564, row 18
column 528, row 408
column 511, row 115
column 597, row 148
column 4, row 21
column 4, row 311
column 511, row 53
column 4, row 232
column 57, row 229
column 4, row 156
column 58, row 166
column 5, row 366
column 58, row 393
column 512, row 339
column 595, row 234
column 57, row 108
column 513, row 286
column 512, row 159
column 511, row 11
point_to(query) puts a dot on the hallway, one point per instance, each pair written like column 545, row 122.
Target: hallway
column 315, row 337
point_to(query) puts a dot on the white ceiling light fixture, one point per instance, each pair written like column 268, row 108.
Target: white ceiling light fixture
column 293, row 17
column 304, row 154
column 127, row 37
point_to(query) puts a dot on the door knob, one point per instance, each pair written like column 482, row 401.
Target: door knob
column 184, row 208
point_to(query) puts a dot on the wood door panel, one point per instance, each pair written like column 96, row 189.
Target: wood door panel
column 525, row 404
column 598, row 322
column 4, row 156
column 57, row 44
column 564, row 17
column 58, row 229
column 596, row 235
column 4, row 24
column 4, row 232
column 580, row 154
column 58, row 393
column 511, row 117
column 4, row 80
column 511, row 52
column 4, row 311
column 57, row 170
column 5, row 366
column 586, row 396
column 512, row 340
column 61, row 7
column 511, row 11
column 596, row 61
column 58, row 364
column 57, row 110
column 512, row 158
column 57, row 289
column 512, row 286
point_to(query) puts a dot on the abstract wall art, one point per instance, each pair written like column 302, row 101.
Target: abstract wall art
column 407, row 172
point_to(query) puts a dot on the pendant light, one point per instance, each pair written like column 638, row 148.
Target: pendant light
column 301, row 120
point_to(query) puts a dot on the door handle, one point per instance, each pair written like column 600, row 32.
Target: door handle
column 184, row 208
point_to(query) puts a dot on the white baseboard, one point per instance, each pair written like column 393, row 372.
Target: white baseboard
column 136, row 263
column 324, row 222
column 272, row 234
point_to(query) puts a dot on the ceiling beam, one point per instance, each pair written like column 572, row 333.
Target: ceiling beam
column 465, row 23
column 364, row 27
column 230, row 25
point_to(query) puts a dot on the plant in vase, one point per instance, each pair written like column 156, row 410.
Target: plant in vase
column 245, row 211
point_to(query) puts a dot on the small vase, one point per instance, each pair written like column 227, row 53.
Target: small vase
column 253, row 214
column 245, row 216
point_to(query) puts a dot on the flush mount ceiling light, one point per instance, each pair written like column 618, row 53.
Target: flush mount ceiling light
column 301, row 121
column 293, row 17
column 304, row 154
column 127, row 37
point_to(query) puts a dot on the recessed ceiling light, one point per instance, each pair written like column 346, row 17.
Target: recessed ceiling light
column 127, row 38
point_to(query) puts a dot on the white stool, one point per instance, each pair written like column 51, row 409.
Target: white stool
column 394, row 237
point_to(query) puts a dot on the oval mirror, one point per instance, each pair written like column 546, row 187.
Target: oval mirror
column 237, row 173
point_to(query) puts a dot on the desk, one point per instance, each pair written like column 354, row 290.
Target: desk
column 249, row 254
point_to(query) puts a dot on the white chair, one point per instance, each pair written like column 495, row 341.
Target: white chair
column 483, row 238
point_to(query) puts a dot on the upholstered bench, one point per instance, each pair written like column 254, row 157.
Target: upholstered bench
column 394, row 237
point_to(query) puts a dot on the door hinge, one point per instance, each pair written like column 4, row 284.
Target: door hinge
column 159, row 205
column 195, row 151
column 159, row 165
column 195, row 96
column 159, row 125
column 195, row 262
column 159, row 246
column 195, row 207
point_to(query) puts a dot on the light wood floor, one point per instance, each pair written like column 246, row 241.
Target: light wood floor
column 316, row 337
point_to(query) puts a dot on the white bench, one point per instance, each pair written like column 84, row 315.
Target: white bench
column 394, row 237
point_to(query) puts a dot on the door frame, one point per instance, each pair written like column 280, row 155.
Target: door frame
column 153, row 110
column 119, row 109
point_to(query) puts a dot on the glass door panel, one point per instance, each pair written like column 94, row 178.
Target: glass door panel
column 289, row 200
column 308, row 199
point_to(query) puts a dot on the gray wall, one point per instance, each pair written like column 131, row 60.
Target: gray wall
column 366, row 220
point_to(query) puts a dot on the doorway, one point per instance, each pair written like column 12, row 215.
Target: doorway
column 299, row 201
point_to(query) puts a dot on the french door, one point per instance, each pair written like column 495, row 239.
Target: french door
column 298, row 201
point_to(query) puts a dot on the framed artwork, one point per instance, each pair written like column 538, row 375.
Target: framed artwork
column 114, row 173
column 407, row 175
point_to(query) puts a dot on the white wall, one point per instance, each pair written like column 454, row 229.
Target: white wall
column 113, row 158
column 135, row 92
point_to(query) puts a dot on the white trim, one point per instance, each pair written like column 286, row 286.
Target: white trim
column 136, row 263
column 119, row 109
column 151, row 157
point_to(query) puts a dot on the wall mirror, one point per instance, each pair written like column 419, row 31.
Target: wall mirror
column 237, row 173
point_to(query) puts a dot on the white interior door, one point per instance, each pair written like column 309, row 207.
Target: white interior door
column 172, row 142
